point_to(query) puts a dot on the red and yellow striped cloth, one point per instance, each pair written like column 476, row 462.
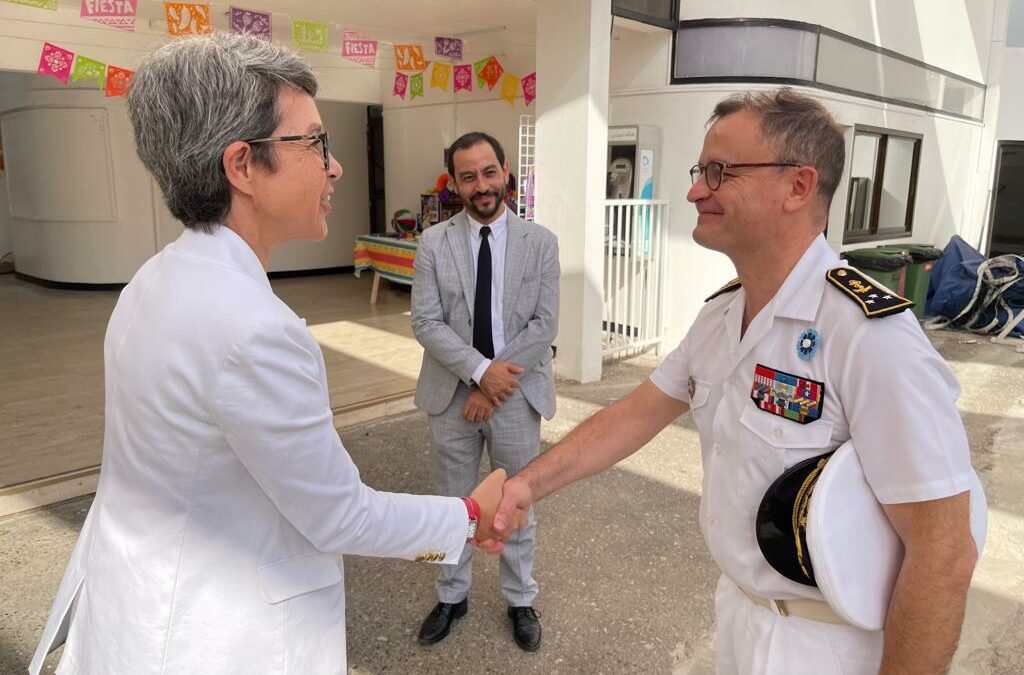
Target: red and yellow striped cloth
column 390, row 257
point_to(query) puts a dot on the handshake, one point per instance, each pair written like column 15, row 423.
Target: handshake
column 503, row 510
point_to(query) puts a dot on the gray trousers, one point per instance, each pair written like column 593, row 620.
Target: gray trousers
column 512, row 436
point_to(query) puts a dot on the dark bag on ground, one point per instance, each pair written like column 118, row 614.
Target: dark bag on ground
column 974, row 293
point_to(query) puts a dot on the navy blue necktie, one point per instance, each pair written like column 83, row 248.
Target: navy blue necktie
column 483, row 341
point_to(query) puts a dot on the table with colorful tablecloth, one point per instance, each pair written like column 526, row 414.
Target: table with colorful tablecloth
column 389, row 257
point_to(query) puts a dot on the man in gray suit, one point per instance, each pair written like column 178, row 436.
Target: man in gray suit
column 485, row 309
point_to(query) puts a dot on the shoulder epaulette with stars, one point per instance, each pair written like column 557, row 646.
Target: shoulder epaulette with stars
column 728, row 288
column 875, row 301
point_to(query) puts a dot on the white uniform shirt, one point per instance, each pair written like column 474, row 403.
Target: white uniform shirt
column 496, row 240
column 884, row 386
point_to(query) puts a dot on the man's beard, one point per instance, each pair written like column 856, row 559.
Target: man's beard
column 497, row 195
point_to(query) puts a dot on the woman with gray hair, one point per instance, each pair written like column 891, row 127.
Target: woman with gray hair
column 225, row 494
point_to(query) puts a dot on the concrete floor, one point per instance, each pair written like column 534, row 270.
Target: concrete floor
column 626, row 581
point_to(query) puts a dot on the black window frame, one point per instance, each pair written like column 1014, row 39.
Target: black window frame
column 668, row 24
column 873, row 233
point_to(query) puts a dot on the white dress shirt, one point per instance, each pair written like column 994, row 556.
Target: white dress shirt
column 496, row 240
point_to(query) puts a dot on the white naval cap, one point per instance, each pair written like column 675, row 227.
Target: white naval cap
column 820, row 524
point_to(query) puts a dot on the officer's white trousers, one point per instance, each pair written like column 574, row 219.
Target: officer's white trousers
column 753, row 640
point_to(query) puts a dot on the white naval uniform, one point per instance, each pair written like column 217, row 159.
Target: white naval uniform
column 884, row 386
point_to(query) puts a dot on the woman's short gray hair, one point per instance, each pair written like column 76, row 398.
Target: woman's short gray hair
column 800, row 129
column 193, row 97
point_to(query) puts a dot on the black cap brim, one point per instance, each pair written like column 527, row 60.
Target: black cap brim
column 781, row 534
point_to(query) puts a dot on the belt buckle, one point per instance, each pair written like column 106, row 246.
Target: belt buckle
column 779, row 606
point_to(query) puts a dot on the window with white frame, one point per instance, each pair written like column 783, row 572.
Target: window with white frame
column 883, row 184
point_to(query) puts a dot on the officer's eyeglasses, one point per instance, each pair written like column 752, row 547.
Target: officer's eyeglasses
column 322, row 139
column 715, row 171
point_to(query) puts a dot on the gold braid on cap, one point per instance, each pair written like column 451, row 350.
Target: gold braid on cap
column 800, row 506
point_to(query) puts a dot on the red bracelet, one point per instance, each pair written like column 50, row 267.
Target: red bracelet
column 472, row 508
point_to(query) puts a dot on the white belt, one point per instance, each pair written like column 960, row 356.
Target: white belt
column 815, row 610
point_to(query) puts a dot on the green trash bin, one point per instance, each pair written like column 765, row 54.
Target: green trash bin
column 888, row 268
column 919, row 272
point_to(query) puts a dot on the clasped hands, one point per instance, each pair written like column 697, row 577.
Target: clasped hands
column 504, row 503
column 488, row 494
column 498, row 382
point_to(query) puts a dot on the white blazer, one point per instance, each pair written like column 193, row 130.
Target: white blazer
column 225, row 494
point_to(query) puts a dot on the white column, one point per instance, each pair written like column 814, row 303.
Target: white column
column 573, row 40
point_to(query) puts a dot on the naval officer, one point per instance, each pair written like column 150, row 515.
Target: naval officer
column 796, row 356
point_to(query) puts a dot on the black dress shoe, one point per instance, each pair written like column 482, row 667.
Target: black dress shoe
column 439, row 622
column 525, row 627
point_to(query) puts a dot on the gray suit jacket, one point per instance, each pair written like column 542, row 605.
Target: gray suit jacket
column 442, row 311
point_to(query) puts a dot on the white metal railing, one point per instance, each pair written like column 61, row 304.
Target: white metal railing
column 633, row 290
column 527, row 176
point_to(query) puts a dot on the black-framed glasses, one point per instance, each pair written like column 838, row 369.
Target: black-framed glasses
column 322, row 138
column 715, row 171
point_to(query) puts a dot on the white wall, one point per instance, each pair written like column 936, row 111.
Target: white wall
column 12, row 95
column 641, row 58
column 1011, row 102
column 110, row 252
column 416, row 133
column 99, row 250
column 1006, row 97
column 346, row 122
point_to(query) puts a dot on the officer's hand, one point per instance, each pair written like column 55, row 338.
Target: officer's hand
column 478, row 407
column 499, row 380
column 488, row 494
column 511, row 512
